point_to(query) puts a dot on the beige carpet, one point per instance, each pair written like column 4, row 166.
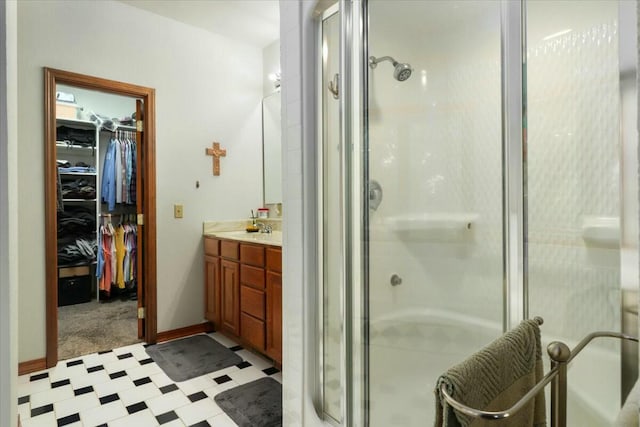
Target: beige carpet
column 93, row 326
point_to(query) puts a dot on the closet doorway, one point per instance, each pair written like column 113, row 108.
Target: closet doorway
column 105, row 211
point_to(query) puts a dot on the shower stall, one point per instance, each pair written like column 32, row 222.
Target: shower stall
column 477, row 165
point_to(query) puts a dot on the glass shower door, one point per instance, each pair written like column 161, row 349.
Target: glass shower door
column 435, row 211
column 574, row 193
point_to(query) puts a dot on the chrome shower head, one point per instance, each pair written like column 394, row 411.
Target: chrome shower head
column 401, row 71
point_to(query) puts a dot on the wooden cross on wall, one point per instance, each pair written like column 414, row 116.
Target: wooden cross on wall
column 216, row 152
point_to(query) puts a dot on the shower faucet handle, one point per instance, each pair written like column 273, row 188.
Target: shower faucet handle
column 395, row 280
column 333, row 86
column 375, row 194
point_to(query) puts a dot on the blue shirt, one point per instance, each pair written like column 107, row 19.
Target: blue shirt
column 108, row 189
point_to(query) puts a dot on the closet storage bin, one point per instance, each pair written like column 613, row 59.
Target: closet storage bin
column 66, row 110
column 74, row 285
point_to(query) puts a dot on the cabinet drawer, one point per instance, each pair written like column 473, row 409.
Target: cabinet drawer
column 229, row 249
column 252, row 302
column 211, row 246
column 252, row 276
column 252, row 330
column 274, row 259
column 252, row 255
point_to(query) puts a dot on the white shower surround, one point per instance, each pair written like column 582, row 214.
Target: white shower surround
column 435, row 147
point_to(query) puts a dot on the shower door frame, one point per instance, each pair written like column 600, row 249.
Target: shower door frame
column 354, row 112
column 354, row 176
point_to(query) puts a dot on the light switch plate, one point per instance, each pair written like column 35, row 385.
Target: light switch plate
column 177, row 211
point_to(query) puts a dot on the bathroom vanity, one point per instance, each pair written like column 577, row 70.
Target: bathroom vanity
column 243, row 288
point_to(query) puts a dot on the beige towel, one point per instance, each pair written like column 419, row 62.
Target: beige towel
column 495, row 378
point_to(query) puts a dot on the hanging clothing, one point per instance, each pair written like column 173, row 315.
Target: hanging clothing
column 129, row 257
column 126, row 181
column 132, row 244
column 105, row 272
column 119, row 173
column 120, row 253
column 116, row 265
column 100, row 257
column 134, row 157
column 108, row 188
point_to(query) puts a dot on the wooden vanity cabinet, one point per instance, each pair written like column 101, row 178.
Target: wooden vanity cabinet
column 222, row 284
column 243, row 293
column 230, row 286
column 252, row 301
column 274, row 304
column 212, row 290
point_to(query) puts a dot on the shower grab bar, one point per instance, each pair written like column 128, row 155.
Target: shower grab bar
column 560, row 356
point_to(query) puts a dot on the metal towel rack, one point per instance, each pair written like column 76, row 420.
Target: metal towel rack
column 560, row 356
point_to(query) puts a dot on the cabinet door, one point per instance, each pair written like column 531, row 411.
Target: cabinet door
column 212, row 291
column 252, row 331
column 230, row 301
column 274, row 316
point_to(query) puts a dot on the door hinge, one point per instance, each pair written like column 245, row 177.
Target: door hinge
column 140, row 219
column 140, row 312
column 140, row 125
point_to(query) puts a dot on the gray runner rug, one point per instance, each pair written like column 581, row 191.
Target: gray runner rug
column 254, row 404
column 192, row 357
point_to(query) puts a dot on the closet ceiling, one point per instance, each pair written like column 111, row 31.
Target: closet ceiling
column 255, row 22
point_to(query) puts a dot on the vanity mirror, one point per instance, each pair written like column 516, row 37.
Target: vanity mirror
column 271, row 149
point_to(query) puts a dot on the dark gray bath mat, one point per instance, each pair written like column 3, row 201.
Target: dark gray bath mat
column 192, row 357
column 254, row 404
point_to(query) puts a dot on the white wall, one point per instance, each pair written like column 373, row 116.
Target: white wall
column 8, row 214
column 208, row 88
column 271, row 65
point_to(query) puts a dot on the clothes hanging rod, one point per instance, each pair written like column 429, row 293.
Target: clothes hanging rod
column 126, row 128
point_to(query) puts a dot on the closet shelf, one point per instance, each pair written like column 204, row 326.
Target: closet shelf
column 79, row 173
column 78, row 264
column 79, row 200
column 76, row 123
column 67, row 146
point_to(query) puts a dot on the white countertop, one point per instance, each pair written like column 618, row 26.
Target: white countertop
column 274, row 238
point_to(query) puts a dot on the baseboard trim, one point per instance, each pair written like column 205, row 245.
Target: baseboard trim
column 184, row 332
column 32, row 366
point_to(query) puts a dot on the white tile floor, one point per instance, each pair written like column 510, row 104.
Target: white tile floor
column 125, row 388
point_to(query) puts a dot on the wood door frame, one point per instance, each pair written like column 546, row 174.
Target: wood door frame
column 52, row 77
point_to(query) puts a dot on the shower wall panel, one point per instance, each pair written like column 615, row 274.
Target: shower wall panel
column 435, row 147
column 574, row 190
